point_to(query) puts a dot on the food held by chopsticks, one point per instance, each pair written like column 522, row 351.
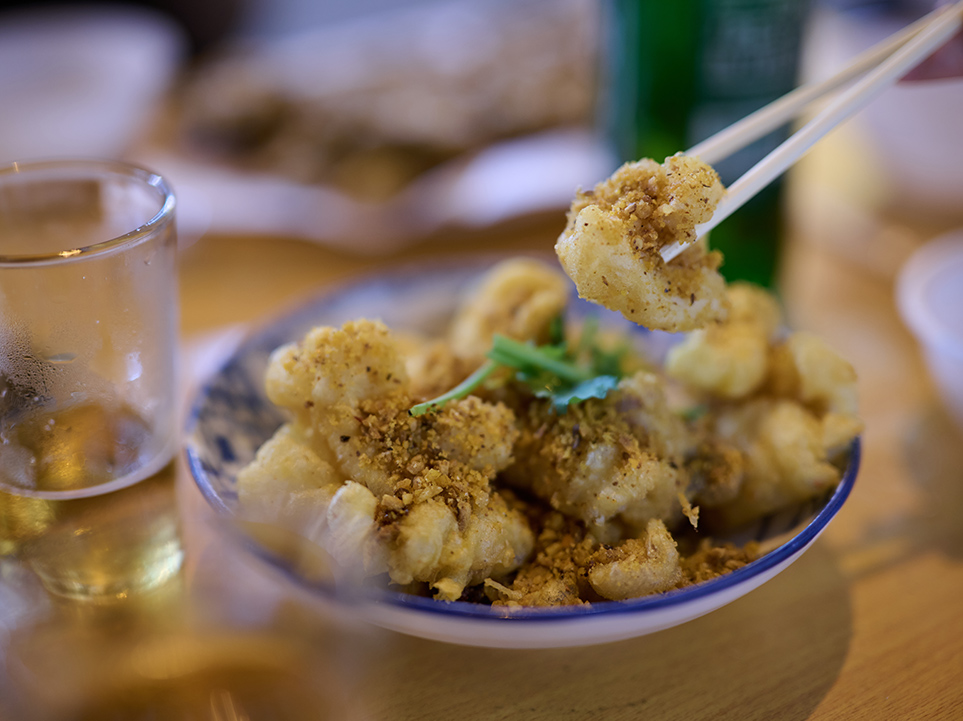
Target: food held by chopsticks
column 612, row 242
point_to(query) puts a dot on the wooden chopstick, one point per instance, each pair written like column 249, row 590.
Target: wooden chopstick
column 893, row 58
column 789, row 106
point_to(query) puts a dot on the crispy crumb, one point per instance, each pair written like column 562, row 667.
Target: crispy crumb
column 610, row 245
column 711, row 560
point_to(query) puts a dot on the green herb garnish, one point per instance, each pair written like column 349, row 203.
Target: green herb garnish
column 551, row 371
column 694, row 413
column 459, row 391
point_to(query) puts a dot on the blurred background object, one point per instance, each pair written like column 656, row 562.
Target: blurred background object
column 373, row 129
column 911, row 135
column 369, row 103
column 203, row 25
column 365, row 125
column 82, row 80
column 930, row 300
column 891, row 178
column 370, row 125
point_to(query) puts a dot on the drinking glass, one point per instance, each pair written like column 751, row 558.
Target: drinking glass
column 88, row 338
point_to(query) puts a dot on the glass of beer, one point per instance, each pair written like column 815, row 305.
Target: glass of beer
column 88, row 339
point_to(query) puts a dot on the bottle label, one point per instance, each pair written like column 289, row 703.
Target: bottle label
column 750, row 53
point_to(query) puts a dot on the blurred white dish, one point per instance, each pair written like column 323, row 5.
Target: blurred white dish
column 232, row 416
column 83, row 80
column 930, row 298
column 532, row 174
column 368, row 131
column 912, row 131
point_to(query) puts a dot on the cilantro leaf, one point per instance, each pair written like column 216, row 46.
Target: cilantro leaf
column 528, row 357
column 460, row 391
column 597, row 387
column 551, row 371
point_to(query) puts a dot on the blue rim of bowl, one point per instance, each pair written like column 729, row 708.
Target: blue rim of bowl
column 481, row 612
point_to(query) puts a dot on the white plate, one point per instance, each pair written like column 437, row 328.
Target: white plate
column 83, row 80
column 505, row 181
column 231, row 417
column 929, row 294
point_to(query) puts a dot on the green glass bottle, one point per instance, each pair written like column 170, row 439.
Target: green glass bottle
column 676, row 71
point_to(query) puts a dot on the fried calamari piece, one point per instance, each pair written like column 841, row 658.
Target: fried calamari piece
column 643, row 402
column 838, row 432
column 335, row 369
column 517, row 298
column 348, row 532
column 753, row 304
column 290, row 485
column 287, row 480
column 430, row 543
column 639, row 566
column 716, row 469
column 610, row 245
column 604, row 461
column 786, row 451
column 571, row 567
column 438, row 516
column 729, row 359
column 433, row 367
column 419, row 487
column 349, row 387
column 806, row 368
column 787, row 405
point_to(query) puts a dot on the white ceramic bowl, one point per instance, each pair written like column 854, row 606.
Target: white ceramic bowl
column 930, row 297
column 231, row 417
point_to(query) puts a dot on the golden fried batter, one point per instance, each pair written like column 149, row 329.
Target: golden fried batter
column 420, row 500
column 785, row 456
column 639, row 566
column 572, row 568
column 781, row 410
column 610, row 245
column 806, row 368
column 557, row 575
column 433, row 367
column 517, row 298
column 730, row 359
column 716, row 470
column 603, row 461
column 288, row 480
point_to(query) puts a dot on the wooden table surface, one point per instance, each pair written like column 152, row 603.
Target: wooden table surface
column 868, row 624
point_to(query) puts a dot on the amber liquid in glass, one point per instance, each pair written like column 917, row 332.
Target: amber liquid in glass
column 73, row 508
